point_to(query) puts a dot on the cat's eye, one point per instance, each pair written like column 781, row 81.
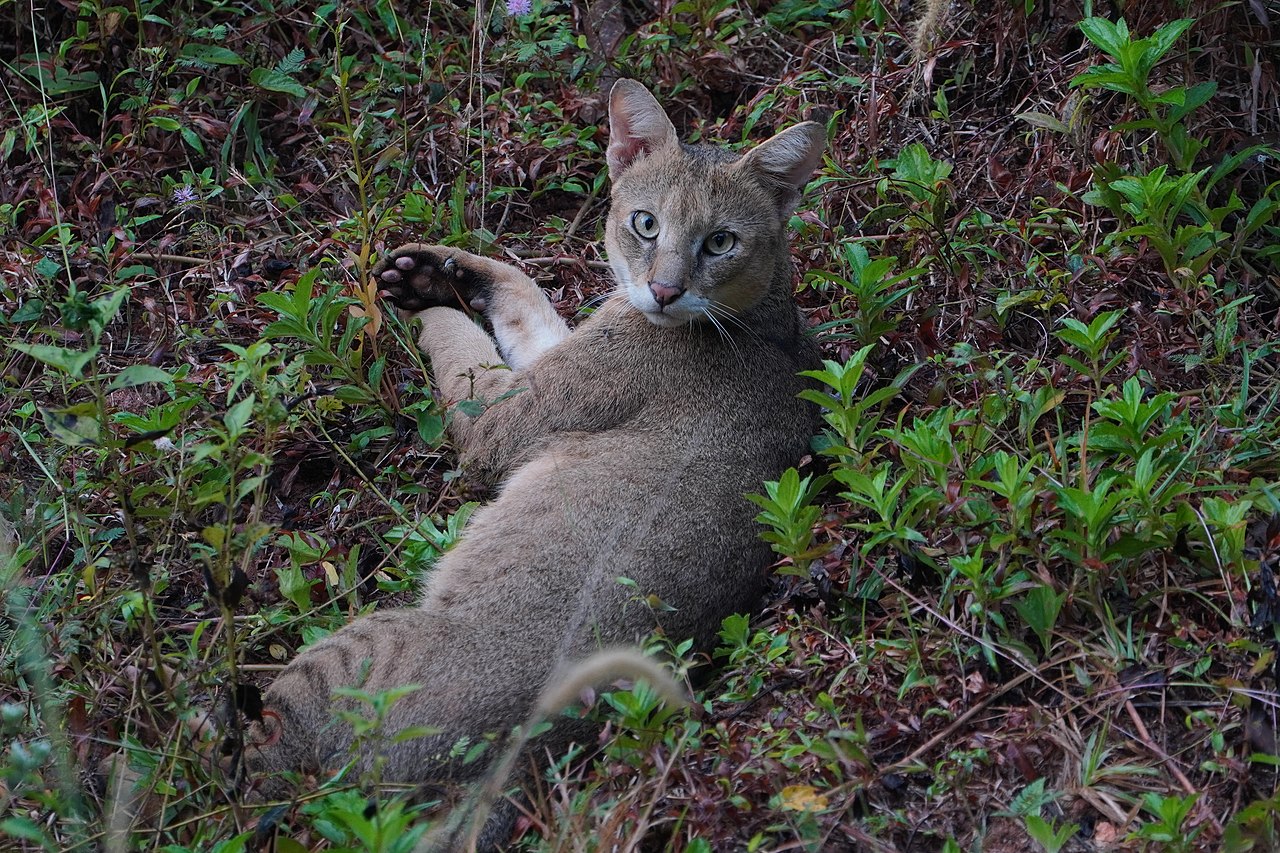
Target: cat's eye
column 719, row 243
column 645, row 224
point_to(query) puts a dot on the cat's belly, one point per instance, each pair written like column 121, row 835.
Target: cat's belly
column 593, row 545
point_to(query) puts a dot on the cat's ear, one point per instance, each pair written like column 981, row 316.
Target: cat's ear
column 787, row 160
column 637, row 126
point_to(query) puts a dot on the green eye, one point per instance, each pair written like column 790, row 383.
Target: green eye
column 645, row 224
column 719, row 243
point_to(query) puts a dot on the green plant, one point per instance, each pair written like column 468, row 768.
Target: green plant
column 315, row 320
column 874, row 288
column 35, row 761
column 1129, row 72
column 850, row 415
column 1040, row 608
column 1168, row 208
column 644, row 718
column 789, row 512
column 1051, row 838
column 1018, row 483
column 1092, row 341
column 752, row 652
column 1220, row 341
column 1256, row 827
column 920, row 178
column 1028, row 805
column 917, row 195
column 1159, row 204
column 981, row 586
column 368, row 720
column 896, row 511
column 421, row 542
column 354, row 823
column 1170, row 825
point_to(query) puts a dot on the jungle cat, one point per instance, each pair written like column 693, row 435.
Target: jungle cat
column 622, row 449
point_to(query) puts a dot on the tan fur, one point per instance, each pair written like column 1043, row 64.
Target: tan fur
column 622, row 449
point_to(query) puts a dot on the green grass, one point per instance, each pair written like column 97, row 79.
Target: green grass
column 1025, row 595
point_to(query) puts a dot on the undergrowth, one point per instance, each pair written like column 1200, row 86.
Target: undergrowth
column 1025, row 594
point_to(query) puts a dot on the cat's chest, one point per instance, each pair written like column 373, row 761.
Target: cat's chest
column 640, row 352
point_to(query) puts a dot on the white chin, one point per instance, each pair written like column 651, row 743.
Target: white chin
column 667, row 321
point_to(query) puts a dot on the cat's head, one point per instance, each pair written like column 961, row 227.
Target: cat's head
column 696, row 232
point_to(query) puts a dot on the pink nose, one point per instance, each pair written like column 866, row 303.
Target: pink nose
column 664, row 294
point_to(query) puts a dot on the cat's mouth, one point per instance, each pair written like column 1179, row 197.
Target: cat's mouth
column 666, row 319
column 681, row 312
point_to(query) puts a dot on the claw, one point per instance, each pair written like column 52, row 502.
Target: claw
column 451, row 266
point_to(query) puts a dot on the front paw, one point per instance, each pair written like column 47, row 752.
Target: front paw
column 416, row 277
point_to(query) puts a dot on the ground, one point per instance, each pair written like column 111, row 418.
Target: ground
column 1025, row 595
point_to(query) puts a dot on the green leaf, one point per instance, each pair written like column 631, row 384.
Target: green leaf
column 106, row 308
column 69, row 361
column 352, row 394
column 27, row 830
column 430, row 427
column 1044, row 120
column 60, row 81
column 135, row 270
column 210, row 54
column 274, row 81
column 1106, row 77
column 1046, row 835
column 73, row 428
column 48, row 268
column 291, row 62
column 139, row 374
column 415, row 732
column 1163, row 38
column 474, row 753
column 1040, row 609
column 470, row 408
column 1195, row 97
column 295, row 586
column 189, row 136
column 288, row 845
column 1110, row 37
column 28, row 312
column 237, row 417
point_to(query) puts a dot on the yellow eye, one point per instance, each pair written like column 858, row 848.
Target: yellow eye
column 719, row 243
column 645, row 224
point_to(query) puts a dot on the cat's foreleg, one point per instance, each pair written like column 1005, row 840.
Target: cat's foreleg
column 418, row 276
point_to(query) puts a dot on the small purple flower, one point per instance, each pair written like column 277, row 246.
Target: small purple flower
column 519, row 8
column 184, row 195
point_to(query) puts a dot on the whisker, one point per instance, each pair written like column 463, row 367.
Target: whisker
column 724, row 334
column 595, row 302
column 724, row 313
column 709, row 312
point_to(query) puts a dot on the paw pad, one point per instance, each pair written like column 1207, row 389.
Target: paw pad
column 416, row 277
